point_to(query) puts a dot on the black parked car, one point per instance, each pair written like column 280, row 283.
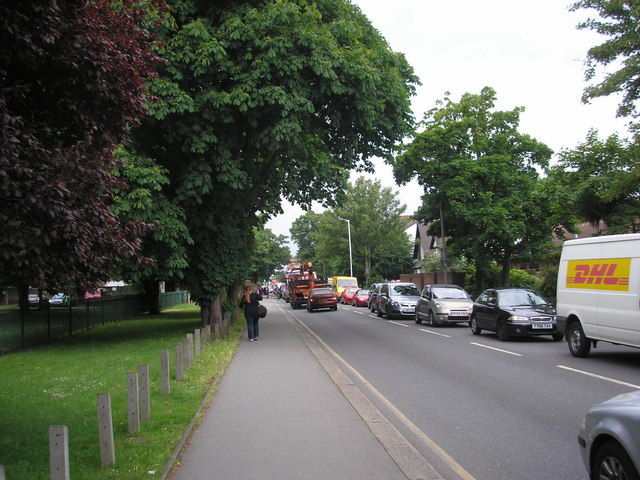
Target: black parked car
column 397, row 299
column 513, row 312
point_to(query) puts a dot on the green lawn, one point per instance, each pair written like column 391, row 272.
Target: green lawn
column 58, row 384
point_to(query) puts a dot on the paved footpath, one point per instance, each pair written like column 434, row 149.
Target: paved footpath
column 280, row 414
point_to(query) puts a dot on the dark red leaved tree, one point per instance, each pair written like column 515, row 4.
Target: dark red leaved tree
column 72, row 82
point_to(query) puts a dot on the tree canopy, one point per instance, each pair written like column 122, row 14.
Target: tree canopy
column 379, row 244
column 617, row 20
column 269, row 255
column 600, row 181
column 480, row 177
column 72, row 83
column 260, row 101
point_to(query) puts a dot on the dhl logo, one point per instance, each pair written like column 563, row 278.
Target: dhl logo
column 609, row 274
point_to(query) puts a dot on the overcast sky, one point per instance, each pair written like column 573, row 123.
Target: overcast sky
column 530, row 52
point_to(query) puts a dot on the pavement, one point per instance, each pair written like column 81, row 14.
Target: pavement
column 285, row 410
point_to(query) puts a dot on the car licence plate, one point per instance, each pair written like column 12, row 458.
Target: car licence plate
column 542, row 326
column 458, row 314
column 408, row 310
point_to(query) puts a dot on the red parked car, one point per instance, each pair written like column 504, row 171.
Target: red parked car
column 348, row 294
column 361, row 298
column 322, row 298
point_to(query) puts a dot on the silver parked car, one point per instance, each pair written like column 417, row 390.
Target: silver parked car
column 443, row 304
column 610, row 438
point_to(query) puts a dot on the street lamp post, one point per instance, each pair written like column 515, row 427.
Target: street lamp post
column 350, row 257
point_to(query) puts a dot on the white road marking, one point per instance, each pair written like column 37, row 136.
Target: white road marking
column 359, row 313
column 435, row 333
column 400, row 324
column 496, row 349
column 608, row 379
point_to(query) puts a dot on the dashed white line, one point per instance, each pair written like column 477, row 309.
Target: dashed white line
column 594, row 375
column 435, row 333
column 496, row 349
column 400, row 324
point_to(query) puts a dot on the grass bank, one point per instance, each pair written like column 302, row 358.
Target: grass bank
column 58, row 384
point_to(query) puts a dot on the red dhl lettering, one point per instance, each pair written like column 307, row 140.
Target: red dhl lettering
column 612, row 274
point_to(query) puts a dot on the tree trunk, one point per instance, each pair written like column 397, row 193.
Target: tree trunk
column 152, row 296
column 506, row 269
column 216, row 315
column 367, row 268
column 205, row 313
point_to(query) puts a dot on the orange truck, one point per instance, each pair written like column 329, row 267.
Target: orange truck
column 300, row 280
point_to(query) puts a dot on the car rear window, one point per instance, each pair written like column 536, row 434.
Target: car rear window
column 322, row 291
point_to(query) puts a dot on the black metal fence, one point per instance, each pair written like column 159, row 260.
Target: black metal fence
column 44, row 324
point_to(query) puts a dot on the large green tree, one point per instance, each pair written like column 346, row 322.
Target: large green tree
column 270, row 254
column 600, row 181
column 481, row 181
column 142, row 199
column 380, row 247
column 261, row 100
column 304, row 232
column 619, row 21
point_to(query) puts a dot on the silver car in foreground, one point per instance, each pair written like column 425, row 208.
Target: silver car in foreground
column 610, row 438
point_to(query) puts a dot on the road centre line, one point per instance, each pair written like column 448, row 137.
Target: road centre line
column 496, row 349
column 359, row 313
column 607, row 379
column 400, row 324
column 435, row 333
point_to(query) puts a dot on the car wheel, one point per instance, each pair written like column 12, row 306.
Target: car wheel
column 579, row 345
column 501, row 330
column 557, row 337
column 379, row 311
column 613, row 463
column 432, row 321
column 417, row 319
column 474, row 326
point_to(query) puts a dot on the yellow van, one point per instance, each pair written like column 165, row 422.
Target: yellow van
column 338, row 284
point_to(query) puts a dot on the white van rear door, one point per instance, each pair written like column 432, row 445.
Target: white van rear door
column 619, row 309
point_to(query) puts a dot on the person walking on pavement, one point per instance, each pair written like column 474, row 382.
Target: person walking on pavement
column 250, row 302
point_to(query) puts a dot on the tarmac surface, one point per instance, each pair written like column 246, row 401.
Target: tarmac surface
column 285, row 410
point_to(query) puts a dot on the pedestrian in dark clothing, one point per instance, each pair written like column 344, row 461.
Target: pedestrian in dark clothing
column 250, row 302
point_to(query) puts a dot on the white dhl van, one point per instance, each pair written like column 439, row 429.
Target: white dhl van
column 599, row 292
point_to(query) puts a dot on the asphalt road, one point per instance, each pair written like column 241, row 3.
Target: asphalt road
column 476, row 407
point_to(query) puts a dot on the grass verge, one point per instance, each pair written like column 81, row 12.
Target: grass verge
column 58, row 384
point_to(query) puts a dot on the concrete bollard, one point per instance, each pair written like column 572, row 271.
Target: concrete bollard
column 185, row 354
column 164, row 372
column 179, row 363
column 190, row 347
column 59, row 452
column 207, row 334
column 143, row 393
column 196, row 336
column 216, row 329
column 105, row 431
column 134, row 412
column 2, row 475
